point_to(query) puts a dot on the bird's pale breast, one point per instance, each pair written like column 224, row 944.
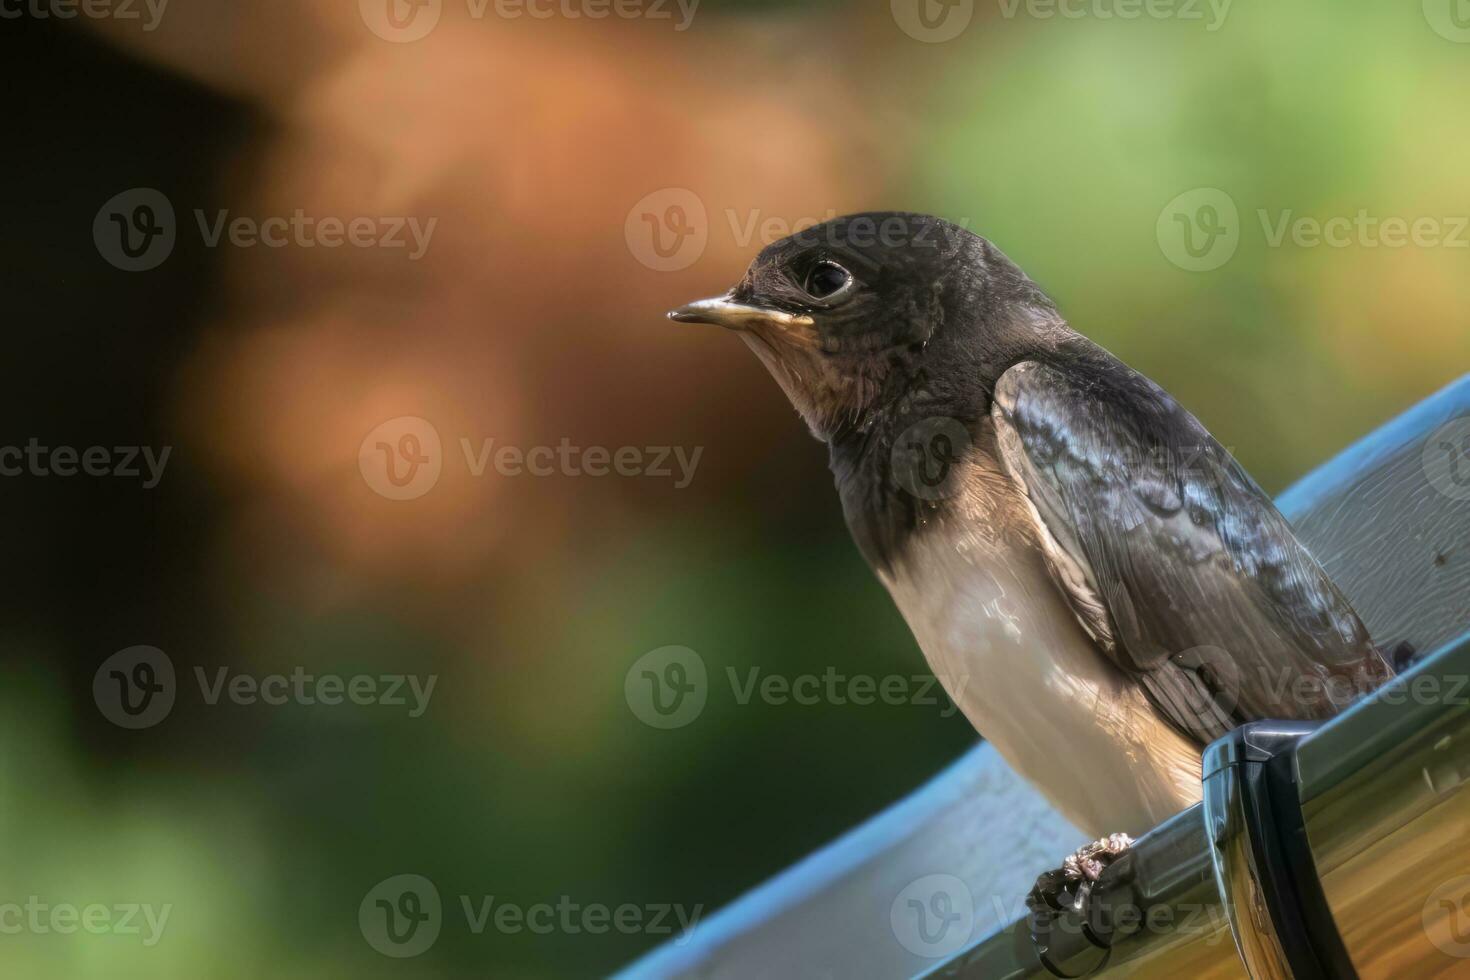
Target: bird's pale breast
column 974, row 587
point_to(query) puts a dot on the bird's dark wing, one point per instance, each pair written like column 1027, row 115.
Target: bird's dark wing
column 1174, row 560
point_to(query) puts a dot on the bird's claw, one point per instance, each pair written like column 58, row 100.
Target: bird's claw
column 1066, row 888
column 1087, row 862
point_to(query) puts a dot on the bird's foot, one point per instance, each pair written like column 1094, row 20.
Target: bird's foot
column 1067, row 887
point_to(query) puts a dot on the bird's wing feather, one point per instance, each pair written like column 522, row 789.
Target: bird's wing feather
column 1173, row 559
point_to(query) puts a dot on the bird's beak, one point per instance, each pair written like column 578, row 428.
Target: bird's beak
column 725, row 312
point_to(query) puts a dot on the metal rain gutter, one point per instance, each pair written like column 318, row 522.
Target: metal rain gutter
column 1338, row 851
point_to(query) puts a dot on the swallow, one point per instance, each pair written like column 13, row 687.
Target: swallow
column 1099, row 585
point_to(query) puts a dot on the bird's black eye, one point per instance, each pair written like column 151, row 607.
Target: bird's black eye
column 826, row 279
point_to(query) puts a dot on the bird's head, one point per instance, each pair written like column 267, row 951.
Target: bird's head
column 857, row 311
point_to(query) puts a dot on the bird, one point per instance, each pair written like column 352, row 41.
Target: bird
column 1098, row 584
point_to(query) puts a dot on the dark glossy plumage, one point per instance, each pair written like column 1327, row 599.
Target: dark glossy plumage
column 1190, row 578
